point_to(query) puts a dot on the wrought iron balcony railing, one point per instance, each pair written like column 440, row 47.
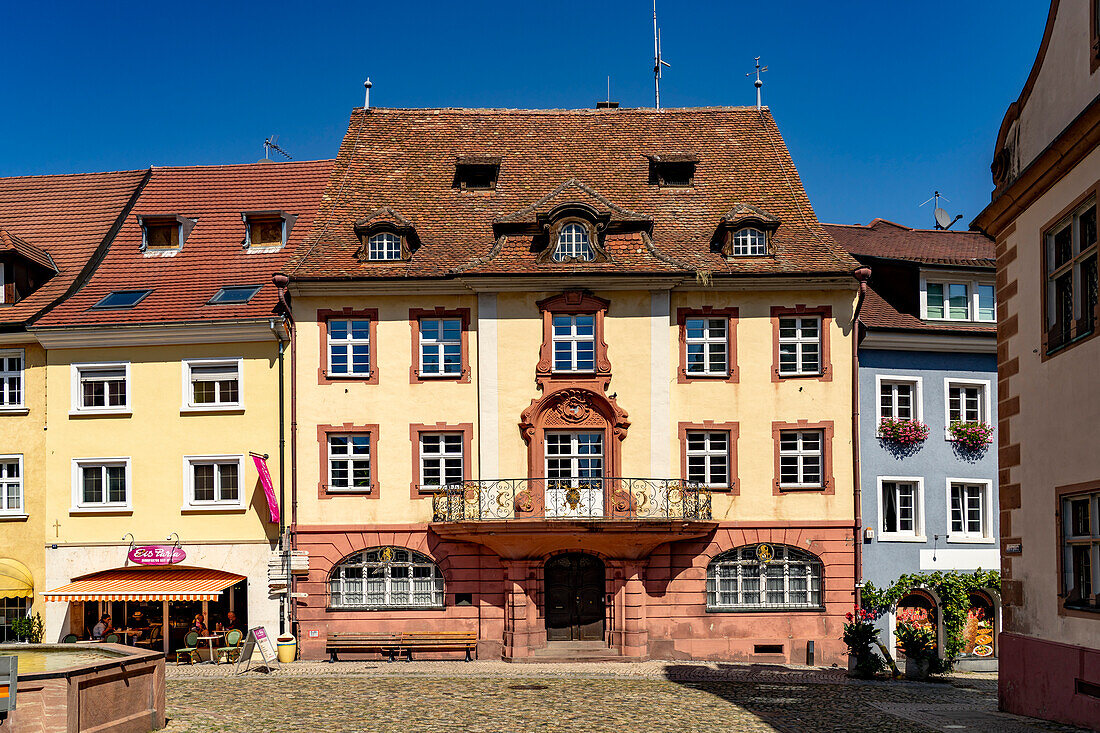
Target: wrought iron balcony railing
column 584, row 499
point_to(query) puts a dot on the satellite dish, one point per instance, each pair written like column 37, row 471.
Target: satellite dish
column 942, row 218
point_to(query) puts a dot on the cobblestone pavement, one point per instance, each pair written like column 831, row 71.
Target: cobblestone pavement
column 680, row 697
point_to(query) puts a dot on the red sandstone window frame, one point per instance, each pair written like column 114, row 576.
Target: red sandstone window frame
column 323, row 317
column 415, row 315
column 1061, row 493
column 828, row 484
column 731, row 316
column 1094, row 37
column 1045, row 353
column 732, row 430
column 323, row 431
column 825, row 313
column 466, row 429
column 571, row 303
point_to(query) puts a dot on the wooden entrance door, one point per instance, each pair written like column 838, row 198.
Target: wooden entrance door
column 574, row 598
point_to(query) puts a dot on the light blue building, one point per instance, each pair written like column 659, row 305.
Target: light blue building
column 927, row 356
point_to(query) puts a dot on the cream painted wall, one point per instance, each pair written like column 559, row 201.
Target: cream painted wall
column 156, row 436
column 23, row 434
column 644, row 381
column 1056, row 425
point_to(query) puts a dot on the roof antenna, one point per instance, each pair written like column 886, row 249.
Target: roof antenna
column 758, row 83
column 658, row 62
column 272, row 143
column 943, row 219
column 366, row 101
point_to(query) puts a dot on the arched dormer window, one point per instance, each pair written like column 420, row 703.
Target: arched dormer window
column 573, row 244
column 383, row 246
column 386, row 577
column 765, row 577
column 750, row 241
column 385, row 236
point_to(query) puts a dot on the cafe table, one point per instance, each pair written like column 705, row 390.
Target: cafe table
column 210, row 641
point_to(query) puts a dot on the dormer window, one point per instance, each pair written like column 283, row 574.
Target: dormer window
column 750, row 241
column 383, row 246
column 266, row 230
column 672, row 171
column 476, row 173
column 160, row 234
column 573, row 244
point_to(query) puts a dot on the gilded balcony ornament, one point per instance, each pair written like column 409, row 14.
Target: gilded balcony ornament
column 621, row 500
column 471, row 493
column 524, row 501
column 573, row 498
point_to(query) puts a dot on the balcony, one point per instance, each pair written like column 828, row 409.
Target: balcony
column 528, row 518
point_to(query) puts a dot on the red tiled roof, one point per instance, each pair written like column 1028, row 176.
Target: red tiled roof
column 885, row 239
column 13, row 243
column 64, row 217
column 212, row 256
column 405, row 160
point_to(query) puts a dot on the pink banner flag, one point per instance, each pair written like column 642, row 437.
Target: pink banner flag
column 269, row 489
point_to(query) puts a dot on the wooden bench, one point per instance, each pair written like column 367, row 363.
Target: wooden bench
column 392, row 645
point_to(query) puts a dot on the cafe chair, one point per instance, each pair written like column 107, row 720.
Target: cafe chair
column 191, row 651
column 232, row 648
column 110, row 639
column 69, row 639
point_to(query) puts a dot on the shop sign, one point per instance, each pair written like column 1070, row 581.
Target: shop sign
column 156, row 555
column 269, row 488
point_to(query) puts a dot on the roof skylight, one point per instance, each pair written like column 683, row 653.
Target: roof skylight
column 228, row 296
column 122, row 299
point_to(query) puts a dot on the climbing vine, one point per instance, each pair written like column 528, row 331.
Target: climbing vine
column 954, row 591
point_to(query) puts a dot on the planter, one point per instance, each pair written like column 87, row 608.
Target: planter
column 917, row 668
column 852, row 661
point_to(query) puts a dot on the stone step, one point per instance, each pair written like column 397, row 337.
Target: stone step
column 575, row 651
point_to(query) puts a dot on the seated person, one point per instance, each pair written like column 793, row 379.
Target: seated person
column 231, row 622
column 199, row 624
column 103, row 628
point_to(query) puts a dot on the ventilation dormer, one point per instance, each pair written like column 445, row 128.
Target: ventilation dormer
column 266, row 231
column 673, row 170
column 164, row 234
column 476, row 173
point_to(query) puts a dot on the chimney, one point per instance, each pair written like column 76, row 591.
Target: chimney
column 607, row 105
column 366, row 101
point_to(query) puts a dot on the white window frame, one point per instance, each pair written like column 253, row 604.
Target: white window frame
column 77, row 407
column 918, row 532
column 799, row 340
column 190, row 503
column 574, row 247
column 106, row 507
column 7, row 512
column 972, row 297
column 351, row 459
column 386, row 243
column 749, row 245
column 189, row 405
column 443, row 456
column 347, row 344
column 439, row 346
column 708, row 454
column 985, row 401
column 432, row 584
column 800, row 453
column 917, row 383
column 707, row 341
column 986, row 535
column 19, row 407
column 732, row 566
column 573, row 340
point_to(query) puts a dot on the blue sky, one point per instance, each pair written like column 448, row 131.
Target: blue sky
column 880, row 102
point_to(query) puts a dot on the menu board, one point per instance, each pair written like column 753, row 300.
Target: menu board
column 257, row 639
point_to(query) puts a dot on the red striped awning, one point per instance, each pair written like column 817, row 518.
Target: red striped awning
column 128, row 584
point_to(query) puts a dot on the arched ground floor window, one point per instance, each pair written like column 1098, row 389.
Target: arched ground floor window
column 386, row 577
column 764, row 577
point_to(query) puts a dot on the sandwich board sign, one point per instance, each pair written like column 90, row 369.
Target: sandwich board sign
column 257, row 639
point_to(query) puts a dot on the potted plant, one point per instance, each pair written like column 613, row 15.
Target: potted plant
column 28, row 628
column 901, row 431
column 971, row 436
column 918, row 644
column 860, row 635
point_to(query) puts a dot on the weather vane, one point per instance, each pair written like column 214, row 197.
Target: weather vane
column 758, row 83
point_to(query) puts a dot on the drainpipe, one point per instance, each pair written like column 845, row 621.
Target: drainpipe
column 863, row 274
column 282, row 470
column 281, row 283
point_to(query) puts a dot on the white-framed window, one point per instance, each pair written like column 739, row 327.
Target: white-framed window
column 440, row 347
column 901, row 508
column 11, row 485
column 573, row 244
column 801, row 458
column 969, row 510
column 11, row 609
column 101, row 484
column 386, row 577
column 750, row 241
column 708, row 457
column 11, row 379
column 738, row 580
column 573, row 458
column 958, row 300
column 212, row 384
column 1081, row 550
column 707, row 344
column 899, row 397
column 384, row 246
column 349, row 347
column 101, row 387
column 965, row 401
column 441, row 458
column 349, row 462
column 214, row 481
column 799, row 345
column 574, row 340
